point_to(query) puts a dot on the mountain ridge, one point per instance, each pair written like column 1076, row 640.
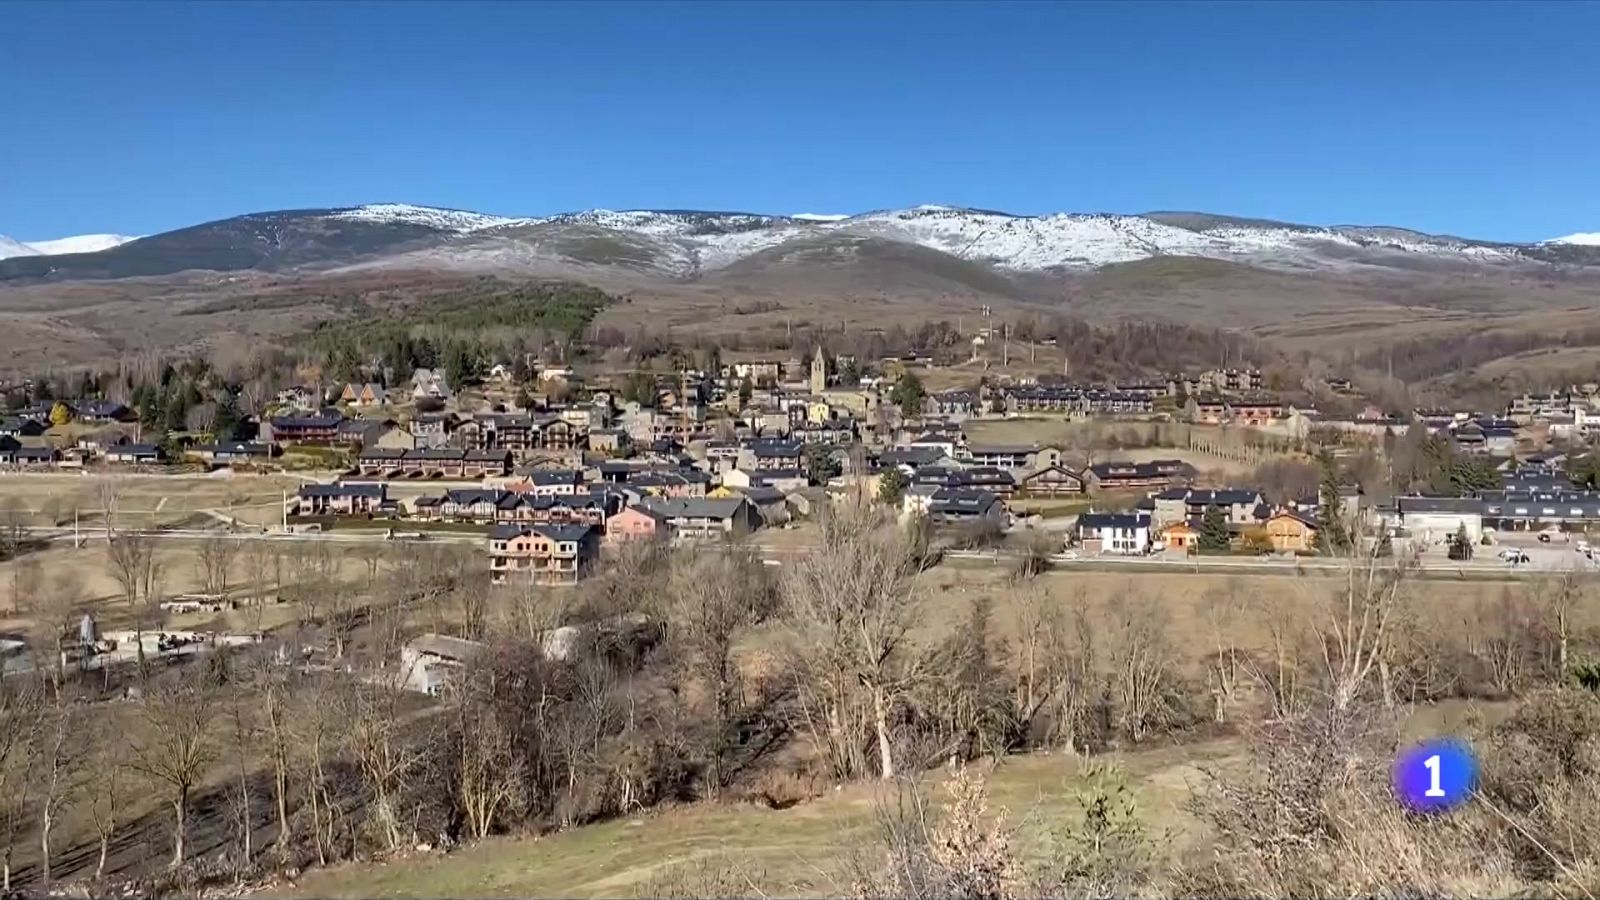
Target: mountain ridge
column 690, row 244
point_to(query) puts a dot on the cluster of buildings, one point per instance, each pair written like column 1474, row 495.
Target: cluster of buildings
column 1174, row 519
column 1535, row 495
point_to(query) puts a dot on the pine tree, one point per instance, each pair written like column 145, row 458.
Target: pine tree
column 907, row 394
column 1331, row 526
column 1461, row 544
column 820, row 464
column 891, row 486
column 1214, row 529
column 227, row 418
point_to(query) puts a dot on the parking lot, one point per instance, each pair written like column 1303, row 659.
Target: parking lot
column 1562, row 553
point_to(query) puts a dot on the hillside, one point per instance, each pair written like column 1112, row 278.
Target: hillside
column 690, row 244
column 1330, row 291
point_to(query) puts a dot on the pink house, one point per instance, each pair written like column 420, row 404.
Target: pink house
column 632, row 523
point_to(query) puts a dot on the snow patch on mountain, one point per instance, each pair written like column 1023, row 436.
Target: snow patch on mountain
column 1582, row 239
column 456, row 220
column 83, row 243
column 820, row 217
column 10, row 247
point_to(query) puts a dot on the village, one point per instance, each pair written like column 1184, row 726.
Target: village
column 550, row 472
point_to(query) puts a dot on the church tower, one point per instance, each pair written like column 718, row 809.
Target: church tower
column 819, row 372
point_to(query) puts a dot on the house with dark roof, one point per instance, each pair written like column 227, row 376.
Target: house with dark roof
column 1433, row 520
column 1241, row 508
column 1117, row 476
column 31, row 455
column 340, row 499
column 1289, row 531
column 542, row 554
column 98, row 410
column 1534, row 510
column 1052, row 481
column 909, row 459
column 22, row 426
column 962, row 506
column 135, row 454
column 318, row 427
column 227, row 452
column 1123, row 534
column 670, row 483
column 771, row 454
column 699, row 519
column 553, row 482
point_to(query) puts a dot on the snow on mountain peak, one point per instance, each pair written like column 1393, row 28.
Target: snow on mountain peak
column 10, row 247
column 83, row 243
column 820, row 217
column 1582, row 239
column 457, row 220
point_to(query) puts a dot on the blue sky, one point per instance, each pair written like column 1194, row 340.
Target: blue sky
column 1469, row 118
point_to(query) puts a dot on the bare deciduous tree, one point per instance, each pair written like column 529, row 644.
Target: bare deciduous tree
column 105, row 788
column 61, row 764
column 1354, row 628
column 173, row 743
column 716, row 596
column 108, row 493
column 490, row 778
column 215, row 560
column 135, row 567
column 1557, row 598
column 385, row 749
column 22, row 709
column 1142, row 667
column 852, row 604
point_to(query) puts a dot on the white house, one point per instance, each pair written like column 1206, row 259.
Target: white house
column 1125, row 534
column 429, row 661
column 1433, row 520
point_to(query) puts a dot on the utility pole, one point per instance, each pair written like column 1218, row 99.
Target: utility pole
column 1005, row 352
column 285, row 511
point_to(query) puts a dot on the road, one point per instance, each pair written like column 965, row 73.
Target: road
column 1544, row 559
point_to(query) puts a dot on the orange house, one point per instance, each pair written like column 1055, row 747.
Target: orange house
column 1290, row 532
column 1181, row 536
column 631, row 524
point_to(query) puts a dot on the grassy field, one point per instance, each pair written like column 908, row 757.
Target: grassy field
column 146, row 500
column 87, row 573
column 802, row 851
column 809, row 849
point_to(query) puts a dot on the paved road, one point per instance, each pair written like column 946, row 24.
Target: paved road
column 1544, row 559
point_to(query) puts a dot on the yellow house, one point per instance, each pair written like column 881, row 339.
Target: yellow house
column 722, row 492
column 1181, row 536
column 819, row 411
column 1290, row 532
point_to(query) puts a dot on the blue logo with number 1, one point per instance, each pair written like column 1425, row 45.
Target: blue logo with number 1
column 1435, row 775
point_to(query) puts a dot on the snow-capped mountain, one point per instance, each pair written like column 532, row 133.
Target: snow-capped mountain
column 689, row 244
column 10, row 247
column 1588, row 239
column 692, row 243
column 456, row 220
column 83, row 243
